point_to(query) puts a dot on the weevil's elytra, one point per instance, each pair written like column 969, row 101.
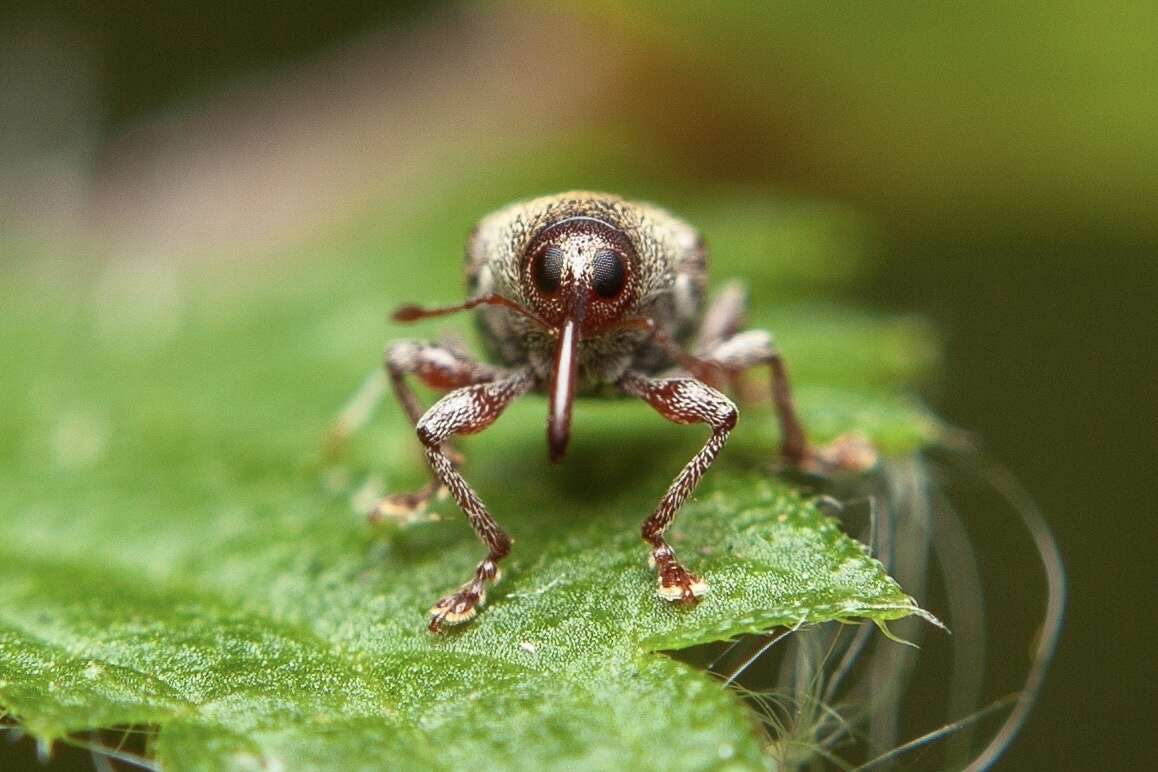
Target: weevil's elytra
column 581, row 294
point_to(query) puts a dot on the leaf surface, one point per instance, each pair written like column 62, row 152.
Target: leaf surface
column 174, row 558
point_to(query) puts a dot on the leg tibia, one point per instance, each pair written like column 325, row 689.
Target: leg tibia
column 682, row 400
column 465, row 411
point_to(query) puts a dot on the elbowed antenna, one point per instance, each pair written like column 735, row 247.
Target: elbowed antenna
column 412, row 313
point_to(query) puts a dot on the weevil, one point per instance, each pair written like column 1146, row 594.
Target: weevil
column 583, row 294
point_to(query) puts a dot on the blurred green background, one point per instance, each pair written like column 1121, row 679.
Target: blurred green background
column 998, row 162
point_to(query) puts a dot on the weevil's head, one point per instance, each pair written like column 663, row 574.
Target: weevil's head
column 580, row 270
column 580, row 275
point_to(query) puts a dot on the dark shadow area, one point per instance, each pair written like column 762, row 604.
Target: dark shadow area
column 1049, row 361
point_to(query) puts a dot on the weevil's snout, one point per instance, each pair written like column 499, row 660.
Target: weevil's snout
column 563, row 375
column 579, row 276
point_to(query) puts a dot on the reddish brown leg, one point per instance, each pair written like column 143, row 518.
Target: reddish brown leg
column 720, row 343
column 755, row 347
column 468, row 410
column 439, row 367
column 750, row 349
column 684, row 401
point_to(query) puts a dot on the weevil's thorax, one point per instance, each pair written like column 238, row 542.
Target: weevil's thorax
column 592, row 257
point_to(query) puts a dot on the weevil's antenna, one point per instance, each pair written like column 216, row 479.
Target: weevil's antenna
column 412, row 313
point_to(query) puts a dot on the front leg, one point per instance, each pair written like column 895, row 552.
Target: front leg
column 684, row 401
column 468, row 410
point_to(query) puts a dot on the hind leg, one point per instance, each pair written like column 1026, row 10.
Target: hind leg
column 753, row 348
column 721, row 343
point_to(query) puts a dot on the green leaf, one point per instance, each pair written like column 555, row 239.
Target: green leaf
column 173, row 558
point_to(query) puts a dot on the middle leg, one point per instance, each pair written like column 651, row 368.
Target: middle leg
column 685, row 401
column 440, row 367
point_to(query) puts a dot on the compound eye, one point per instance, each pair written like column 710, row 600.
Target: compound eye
column 608, row 274
column 549, row 270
